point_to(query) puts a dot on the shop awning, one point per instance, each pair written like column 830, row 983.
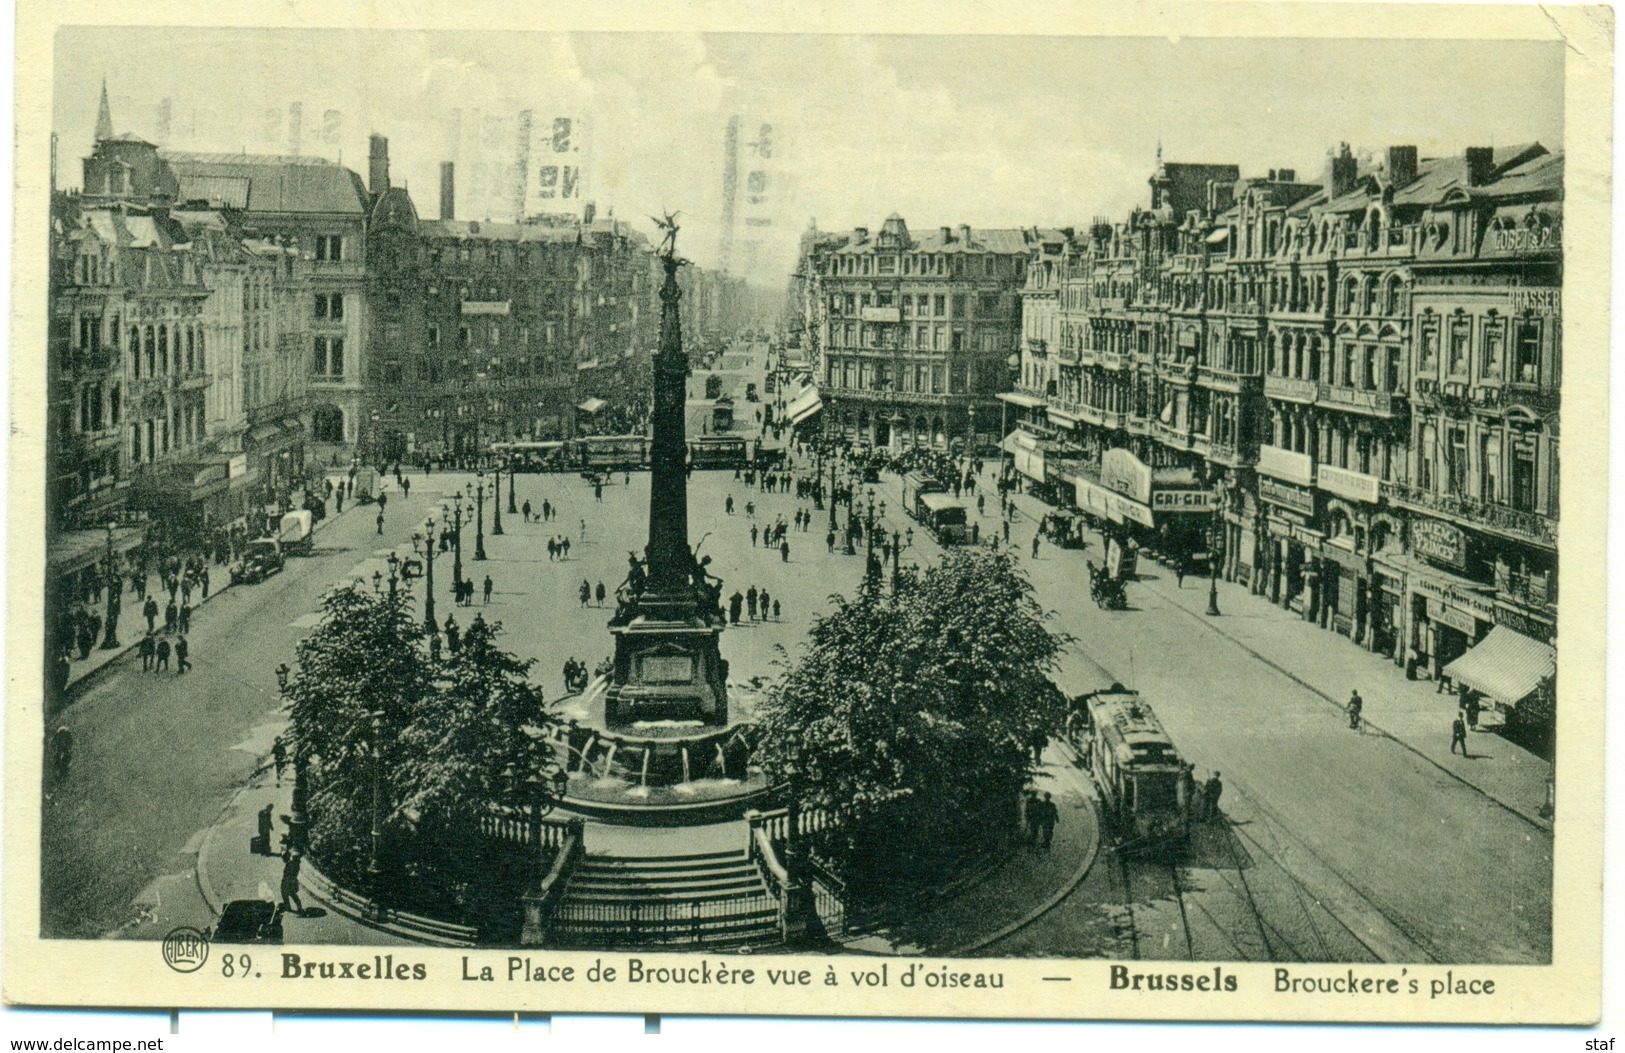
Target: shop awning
column 803, row 406
column 1506, row 665
column 591, row 405
column 1218, row 237
column 1016, row 398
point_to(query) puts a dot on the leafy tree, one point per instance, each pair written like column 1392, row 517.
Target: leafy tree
column 912, row 714
column 445, row 741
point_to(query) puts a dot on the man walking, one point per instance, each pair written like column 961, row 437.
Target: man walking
column 279, row 758
column 525, row 508
column 600, row 593
column 1355, row 706
column 380, row 517
column 1211, row 794
column 750, row 602
column 1458, row 735
column 163, row 655
column 291, row 861
column 784, row 551
column 585, row 592
column 1048, row 815
column 147, row 648
column 486, row 592
column 735, row 602
column 171, row 616
column 182, row 649
column 184, row 622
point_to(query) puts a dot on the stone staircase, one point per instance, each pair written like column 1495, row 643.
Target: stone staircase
column 713, row 899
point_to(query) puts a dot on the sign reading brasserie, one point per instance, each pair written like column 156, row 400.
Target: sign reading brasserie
column 1439, row 541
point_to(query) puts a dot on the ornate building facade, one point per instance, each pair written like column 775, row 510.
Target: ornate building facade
column 1344, row 391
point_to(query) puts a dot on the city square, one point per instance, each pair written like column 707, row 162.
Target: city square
column 1177, row 586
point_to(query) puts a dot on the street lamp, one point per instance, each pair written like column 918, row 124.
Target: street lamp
column 375, row 747
column 1213, row 567
column 377, row 582
column 513, row 509
column 896, row 560
column 394, row 573
column 427, row 541
column 298, row 814
column 114, row 600
column 457, row 542
column 479, row 518
column 496, row 501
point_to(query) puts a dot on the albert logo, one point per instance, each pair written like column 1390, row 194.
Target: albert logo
column 185, row 949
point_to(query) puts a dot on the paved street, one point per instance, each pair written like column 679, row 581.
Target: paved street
column 1340, row 845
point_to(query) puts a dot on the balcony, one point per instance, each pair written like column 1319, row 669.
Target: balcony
column 1113, row 360
column 1177, row 372
column 1218, row 378
column 1525, row 526
column 1290, row 389
column 1287, row 465
column 1375, row 403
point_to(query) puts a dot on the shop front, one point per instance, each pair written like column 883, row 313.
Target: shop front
column 1290, row 545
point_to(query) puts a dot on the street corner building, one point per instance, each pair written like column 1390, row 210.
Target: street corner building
column 1341, row 391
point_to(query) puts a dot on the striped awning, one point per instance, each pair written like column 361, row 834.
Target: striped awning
column 803, row 406
column 1506, row 665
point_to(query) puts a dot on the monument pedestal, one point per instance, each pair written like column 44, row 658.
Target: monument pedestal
column 667, row 669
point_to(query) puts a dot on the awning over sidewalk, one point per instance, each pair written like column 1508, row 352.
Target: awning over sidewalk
column 592, row 405
column 1016, row 398
column 1506, row 665
column 803, row 406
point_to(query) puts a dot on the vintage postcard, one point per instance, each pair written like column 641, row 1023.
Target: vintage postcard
column 1052, row 514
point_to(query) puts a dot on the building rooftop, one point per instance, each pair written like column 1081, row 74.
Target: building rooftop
column 266, row 182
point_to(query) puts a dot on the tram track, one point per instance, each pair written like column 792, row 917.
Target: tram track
column 1397, row 943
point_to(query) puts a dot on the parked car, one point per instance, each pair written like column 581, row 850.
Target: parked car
column 248, row 921
column 261, row 558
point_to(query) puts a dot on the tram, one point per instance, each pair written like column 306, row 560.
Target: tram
column 719, row 451
column 611, row 452
column 1145, row 785
column 530, row 456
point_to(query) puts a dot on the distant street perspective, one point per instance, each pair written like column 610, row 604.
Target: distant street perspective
column 1175, row 586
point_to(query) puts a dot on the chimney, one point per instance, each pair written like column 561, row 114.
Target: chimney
column 378, row 165
column 1340, row 172
column 448, row 190
column 947, row 235
column 1480, row 165
column 964, row 233
column 861, row 233
column 589, row 212
column 1272, row 177
column 1401, row 166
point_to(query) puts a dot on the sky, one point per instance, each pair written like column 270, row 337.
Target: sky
column 989, row 131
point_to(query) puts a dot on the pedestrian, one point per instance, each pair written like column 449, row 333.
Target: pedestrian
column 380, row 517
column 163, row 655
column 147, row 648
column 583, row 531
column 1179, row 572
column 291, row 860
column 976, row 533
column 552, row 549
column 750, row 602
column 1355, row 706
column 486, row 592
column 406, row 487
column 184, row 622
column 262, row 842
column 1458, row 735
column 1470, row 706
column 547, row 510
column 525, row 508
column 564, row 543
column 1036, row 743
column 186, row 589
column 171, row 616
column 1007, row 531
column 1210, row 797
column 981, row 503
column 735, row 602
column 279, row 757
column 600, row 593
column 775, row 610
column 585, row 592
column 750, row 509
column 729, row 504
column 150, row 611
column 784, row 551
column 182, row 649
column 383, row 500
column 829, row 541
column 203, row 579
column 1048, row 815
column 453, row 634
column 761, row 603
column 753, row 533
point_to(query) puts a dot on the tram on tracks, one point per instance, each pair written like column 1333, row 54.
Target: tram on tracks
column 1146, row 787
column 719, row 451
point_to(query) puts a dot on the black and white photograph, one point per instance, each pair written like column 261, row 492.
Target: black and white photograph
column 968, row 517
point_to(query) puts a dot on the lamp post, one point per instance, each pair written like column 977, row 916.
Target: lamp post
column 375, row 747
column 513, row 509
column 871, row 566
column 394, row 573
column 896, row 560
column 1213, row 567
column 832, row 462
column 479, row 518
column 496, row 501
column 427, row 538
column 377, row 582
column 298, row 815
column 110, row 641
column 457, row 542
